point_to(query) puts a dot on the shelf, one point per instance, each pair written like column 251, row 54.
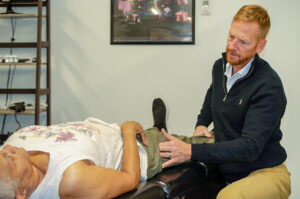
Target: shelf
column 26, row 112
column 25, row 91
column 20, row 15
column 22, row 4
column 44, row 44
column 21, row 64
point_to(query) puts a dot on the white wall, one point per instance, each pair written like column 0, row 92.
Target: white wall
column 116, row 83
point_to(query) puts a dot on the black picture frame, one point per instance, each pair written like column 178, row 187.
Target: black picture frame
column 152, row 22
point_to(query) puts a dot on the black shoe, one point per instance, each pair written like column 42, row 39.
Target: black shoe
column 159, row 112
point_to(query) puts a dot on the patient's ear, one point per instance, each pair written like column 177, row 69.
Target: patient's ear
column 21, row 194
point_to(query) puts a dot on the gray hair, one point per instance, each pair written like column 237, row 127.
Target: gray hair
column 7, row 189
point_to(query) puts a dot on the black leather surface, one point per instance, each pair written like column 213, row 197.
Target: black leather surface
column 3, row 137
column 189, row 180
column 146, row 190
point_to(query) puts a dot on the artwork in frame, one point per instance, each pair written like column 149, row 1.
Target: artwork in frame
column 152, row 22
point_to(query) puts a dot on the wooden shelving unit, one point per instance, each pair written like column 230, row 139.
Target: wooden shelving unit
column 20, row 15
column 26, row 112
column 25, row 4
column 21, row 64
column 39, row 44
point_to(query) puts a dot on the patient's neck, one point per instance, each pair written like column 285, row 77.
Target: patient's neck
column 37, row 178
column 40, row 161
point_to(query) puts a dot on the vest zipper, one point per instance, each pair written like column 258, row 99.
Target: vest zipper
column 224, row 82
column 225, row 97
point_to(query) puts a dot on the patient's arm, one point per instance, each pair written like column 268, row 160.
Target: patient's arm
column 83, row 180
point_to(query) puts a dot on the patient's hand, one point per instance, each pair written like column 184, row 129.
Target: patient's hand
column 202, row 131
column 135, row 127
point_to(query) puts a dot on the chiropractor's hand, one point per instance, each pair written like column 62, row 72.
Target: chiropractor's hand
column 175, row 149
column 202, row 131
column 135, row 127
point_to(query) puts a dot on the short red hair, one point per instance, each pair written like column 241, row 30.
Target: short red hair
column 255, row 13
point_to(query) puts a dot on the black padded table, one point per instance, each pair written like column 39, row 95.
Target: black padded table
column 188, row 180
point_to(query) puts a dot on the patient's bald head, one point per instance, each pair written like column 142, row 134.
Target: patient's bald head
column 14, row 163
column 7, row 187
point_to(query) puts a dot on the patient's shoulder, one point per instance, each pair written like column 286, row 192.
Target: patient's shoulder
column 85, row 180
column 73, row 179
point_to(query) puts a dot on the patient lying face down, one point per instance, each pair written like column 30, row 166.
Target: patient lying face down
column 88, row 159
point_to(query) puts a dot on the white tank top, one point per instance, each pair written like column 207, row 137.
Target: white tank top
column 70, row 142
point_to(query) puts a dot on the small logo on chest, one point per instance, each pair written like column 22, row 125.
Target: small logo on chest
column 240, row 101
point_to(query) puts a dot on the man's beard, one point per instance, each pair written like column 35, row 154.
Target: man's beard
column 238, row 60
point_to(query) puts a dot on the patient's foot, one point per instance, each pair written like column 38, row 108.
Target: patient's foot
column 159, row 114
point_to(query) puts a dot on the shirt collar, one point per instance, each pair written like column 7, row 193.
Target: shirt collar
column 243, row 72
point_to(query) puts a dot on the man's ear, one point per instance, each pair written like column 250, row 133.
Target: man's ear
column 261, row 45
column 21, row 194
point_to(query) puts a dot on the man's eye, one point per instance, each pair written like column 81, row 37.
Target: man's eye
column 243, row 42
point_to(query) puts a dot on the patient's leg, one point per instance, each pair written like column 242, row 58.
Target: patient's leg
column 195, row 139
column 154, row 137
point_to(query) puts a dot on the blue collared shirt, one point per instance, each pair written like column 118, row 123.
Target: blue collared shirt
column 231, row 79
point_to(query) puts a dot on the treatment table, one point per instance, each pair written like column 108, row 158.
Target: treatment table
column 189, row 180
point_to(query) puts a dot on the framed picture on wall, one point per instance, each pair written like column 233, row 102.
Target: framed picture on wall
column 152, row 21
